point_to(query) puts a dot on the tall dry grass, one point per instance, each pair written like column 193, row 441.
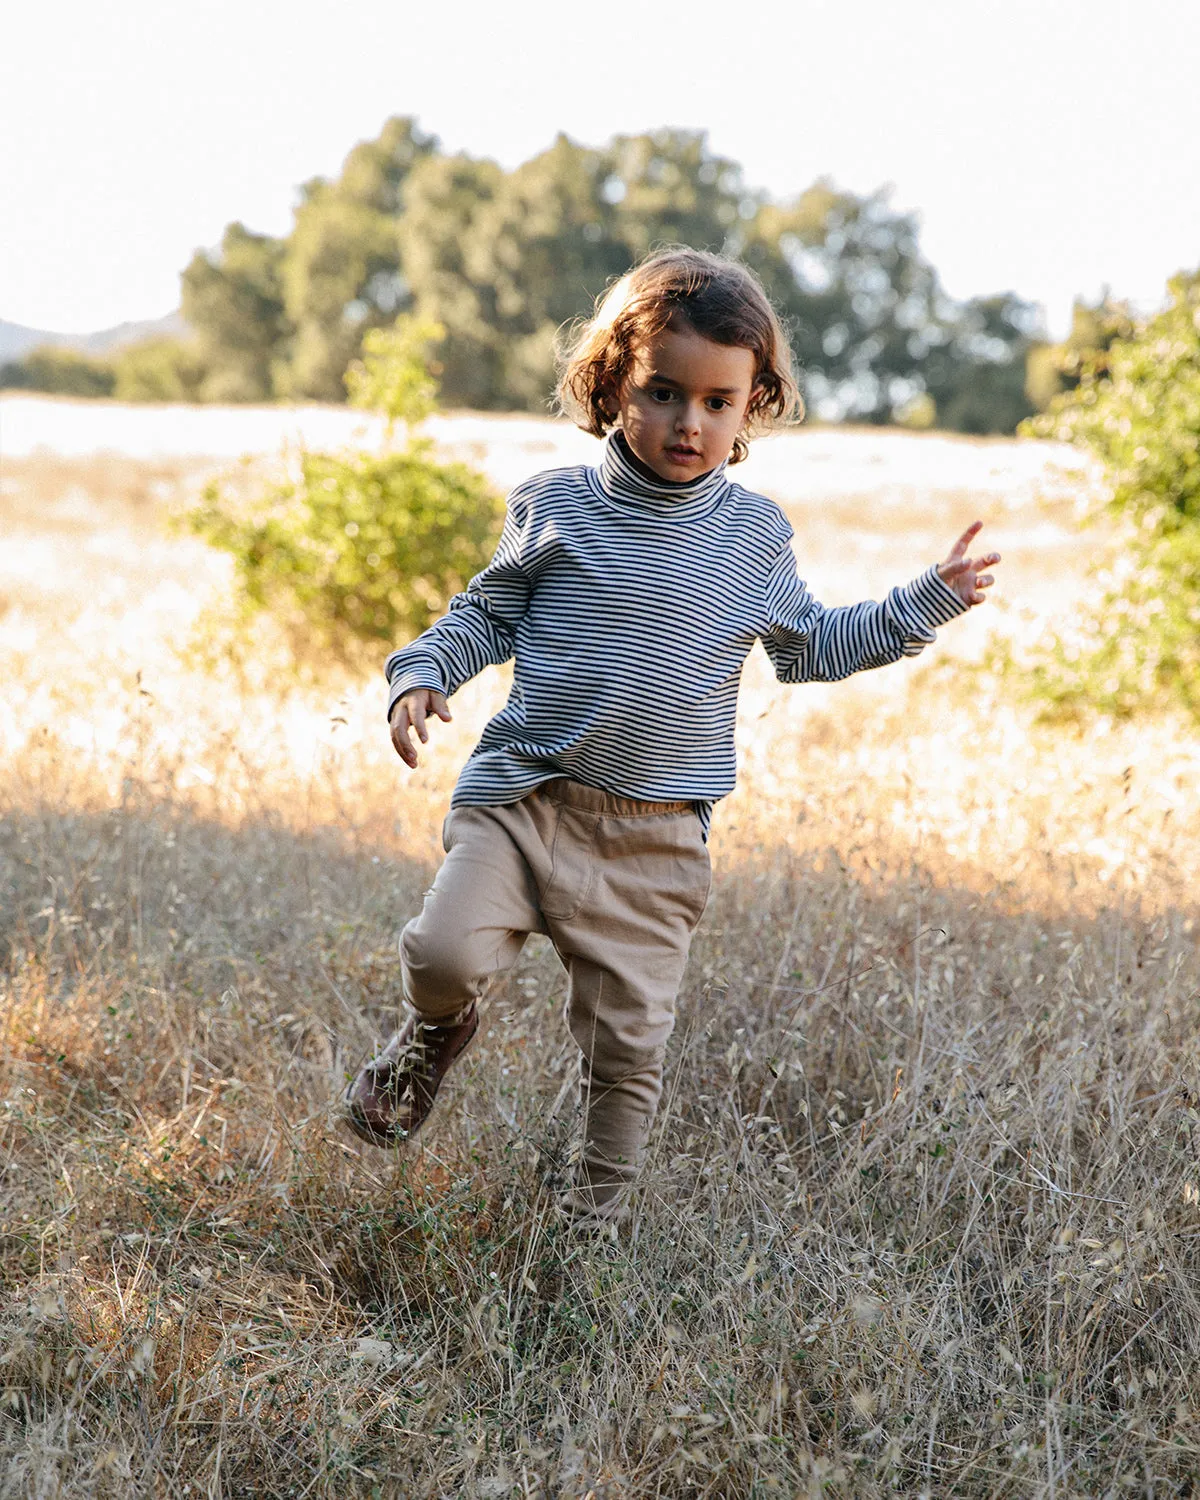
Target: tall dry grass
column 924, row 1200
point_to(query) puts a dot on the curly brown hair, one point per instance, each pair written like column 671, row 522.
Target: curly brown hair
column 716, row 297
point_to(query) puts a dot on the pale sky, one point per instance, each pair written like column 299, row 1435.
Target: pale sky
column 1050, row 146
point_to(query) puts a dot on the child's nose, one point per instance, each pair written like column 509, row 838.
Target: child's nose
column 689, row 417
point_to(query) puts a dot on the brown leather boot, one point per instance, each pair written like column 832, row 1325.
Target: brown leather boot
column 392, row 1095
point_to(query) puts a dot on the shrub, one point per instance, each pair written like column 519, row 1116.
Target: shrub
column 1051, row 369
column 1139, row 648
column 159, row 369
column 360, row 546
column 1137, row 407
column 59, row 372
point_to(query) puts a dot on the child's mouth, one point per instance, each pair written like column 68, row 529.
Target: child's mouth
column 683, row 453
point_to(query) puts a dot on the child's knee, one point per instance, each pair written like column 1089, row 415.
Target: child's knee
column 441, row 974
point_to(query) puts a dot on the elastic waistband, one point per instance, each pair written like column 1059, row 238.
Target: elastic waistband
column 570, row 793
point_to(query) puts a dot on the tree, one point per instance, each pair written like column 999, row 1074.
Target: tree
column 444, row 199
column 342, row 267
column 861, row 302
column 870, row 325
column 670, row 189
column 541, row 243
column 503, row 260
column 977, row 374
column 234, row 302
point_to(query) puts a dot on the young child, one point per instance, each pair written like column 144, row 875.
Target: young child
column 629, row 595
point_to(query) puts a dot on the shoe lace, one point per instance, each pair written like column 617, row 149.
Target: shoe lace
column 415, row 1059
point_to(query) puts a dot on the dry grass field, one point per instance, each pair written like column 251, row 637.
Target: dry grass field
column 923, row 1211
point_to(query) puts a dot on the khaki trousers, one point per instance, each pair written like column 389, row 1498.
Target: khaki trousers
column 618, row 885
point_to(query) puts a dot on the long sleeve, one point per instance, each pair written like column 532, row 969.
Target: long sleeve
column 612, row 592
column 809, row 643
column 479, row 627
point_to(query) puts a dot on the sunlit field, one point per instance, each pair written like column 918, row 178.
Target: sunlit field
column 923, row 1208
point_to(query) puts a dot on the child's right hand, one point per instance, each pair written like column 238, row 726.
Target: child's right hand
column 410, row 712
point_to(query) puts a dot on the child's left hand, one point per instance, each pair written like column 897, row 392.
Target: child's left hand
column 965, row 575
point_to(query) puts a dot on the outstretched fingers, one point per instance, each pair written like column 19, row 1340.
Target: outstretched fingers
column 983, row 581
column 958, row 551
column 968, row 576
column 956, row 567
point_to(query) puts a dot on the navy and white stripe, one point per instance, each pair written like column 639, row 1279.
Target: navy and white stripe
column 630, row 605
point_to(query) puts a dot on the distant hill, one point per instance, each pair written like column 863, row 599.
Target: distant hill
column 16, row 340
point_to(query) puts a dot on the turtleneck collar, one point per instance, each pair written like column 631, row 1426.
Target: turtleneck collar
column 626, row 482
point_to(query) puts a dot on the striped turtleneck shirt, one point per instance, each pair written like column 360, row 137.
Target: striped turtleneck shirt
column 629, row 604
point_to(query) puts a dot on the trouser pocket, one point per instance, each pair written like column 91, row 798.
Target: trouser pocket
column 572, row 863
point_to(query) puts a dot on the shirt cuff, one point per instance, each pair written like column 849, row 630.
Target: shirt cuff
column 410, row 677
column 928, row 602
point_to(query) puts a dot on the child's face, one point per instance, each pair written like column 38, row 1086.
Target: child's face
column 684, row 400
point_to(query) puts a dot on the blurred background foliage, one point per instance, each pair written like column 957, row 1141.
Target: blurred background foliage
column 357, row 548
column 1129, row 392
column 501, row 259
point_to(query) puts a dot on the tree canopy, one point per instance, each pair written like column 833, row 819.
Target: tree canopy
column 501, row 260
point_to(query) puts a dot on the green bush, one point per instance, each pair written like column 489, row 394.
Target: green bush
column 1051, row 369
column 59, row 372
column 361, row 547
column 1137, row 648
column 1137, row 407
column 159, row 369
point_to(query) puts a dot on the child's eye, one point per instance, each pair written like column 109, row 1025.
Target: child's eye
column 660, row 395
column 717, row 403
